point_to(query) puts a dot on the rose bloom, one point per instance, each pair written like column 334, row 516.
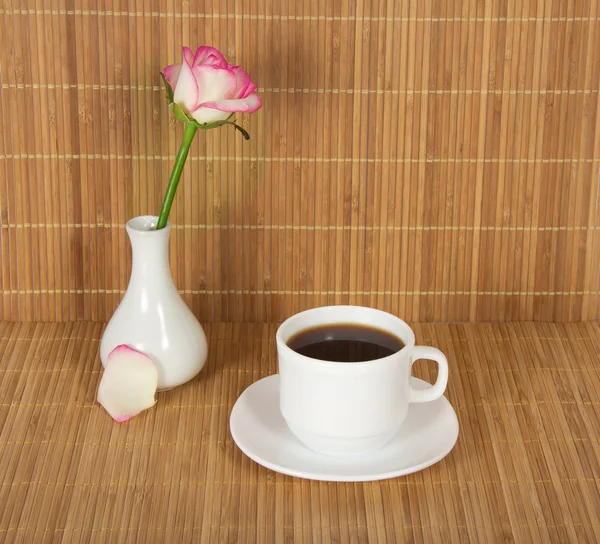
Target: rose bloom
column 209, row 89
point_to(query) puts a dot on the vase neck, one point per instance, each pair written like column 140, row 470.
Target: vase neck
column 150, row 249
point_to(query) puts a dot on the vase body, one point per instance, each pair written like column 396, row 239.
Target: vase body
column 152, row 316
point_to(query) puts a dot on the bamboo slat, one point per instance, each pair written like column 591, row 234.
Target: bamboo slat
column 440, row 161
column 525, row 468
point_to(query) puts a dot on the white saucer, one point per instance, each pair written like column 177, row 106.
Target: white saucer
column 258, row 428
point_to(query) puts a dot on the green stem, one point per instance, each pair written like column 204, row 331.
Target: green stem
column 188, row 136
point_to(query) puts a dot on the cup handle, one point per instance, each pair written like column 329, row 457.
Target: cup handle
column 438, row 388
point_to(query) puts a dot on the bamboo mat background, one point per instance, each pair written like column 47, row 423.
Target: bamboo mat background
column 434, row 159
column 525, row 468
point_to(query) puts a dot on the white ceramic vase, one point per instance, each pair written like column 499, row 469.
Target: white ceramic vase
column 152, row 316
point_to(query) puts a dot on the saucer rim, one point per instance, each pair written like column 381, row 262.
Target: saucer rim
column 323, row 477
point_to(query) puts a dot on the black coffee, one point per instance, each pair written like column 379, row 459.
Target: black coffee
column 345, row 343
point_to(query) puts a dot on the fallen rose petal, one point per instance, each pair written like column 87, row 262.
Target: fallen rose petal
column 128, row 385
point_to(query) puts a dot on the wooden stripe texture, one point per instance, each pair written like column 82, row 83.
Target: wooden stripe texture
column 438, row 160
column 525, row 469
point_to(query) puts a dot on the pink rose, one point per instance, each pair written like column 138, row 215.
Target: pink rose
column 208, row 89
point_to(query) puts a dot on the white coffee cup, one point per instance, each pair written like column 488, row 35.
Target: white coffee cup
column 350, row 408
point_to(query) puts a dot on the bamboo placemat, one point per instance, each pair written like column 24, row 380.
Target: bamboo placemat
column 525, row 469
column 435, row 159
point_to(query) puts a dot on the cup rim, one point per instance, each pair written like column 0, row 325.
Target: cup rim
column 284, row 348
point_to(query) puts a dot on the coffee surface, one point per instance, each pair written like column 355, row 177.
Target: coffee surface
column 345, row 343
